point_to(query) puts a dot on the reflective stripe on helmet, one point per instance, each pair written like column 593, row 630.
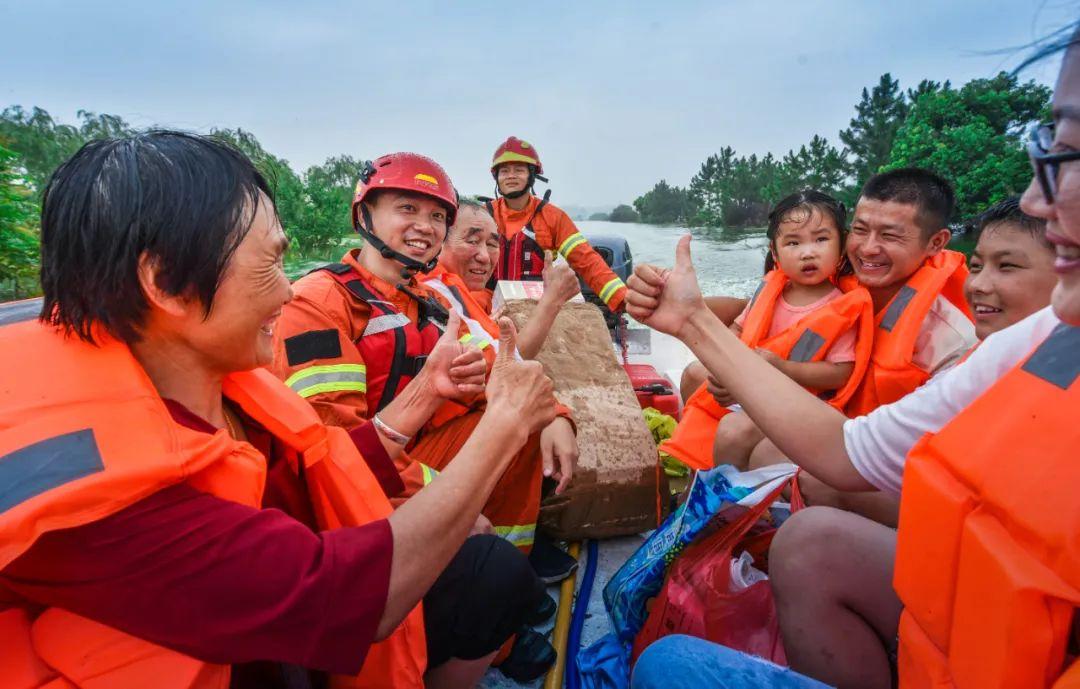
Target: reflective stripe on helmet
column 316, row 380
column 513, row 157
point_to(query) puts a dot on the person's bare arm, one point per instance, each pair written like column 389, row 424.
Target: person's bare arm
column 452, row 370
column 805, row 428
column 818, row 375
column 430, row 527
column 727, row 309
column 560, row 285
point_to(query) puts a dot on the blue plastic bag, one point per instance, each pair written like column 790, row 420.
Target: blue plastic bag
column 642, row 576
column 605, row 664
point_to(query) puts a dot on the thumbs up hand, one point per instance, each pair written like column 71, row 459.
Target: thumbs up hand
column 519, row 391
column 666, row 299
column 560, row 282
column 454, row 370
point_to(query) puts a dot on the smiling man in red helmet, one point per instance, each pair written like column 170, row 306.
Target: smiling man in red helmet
column 529, row 226
column 359, row 338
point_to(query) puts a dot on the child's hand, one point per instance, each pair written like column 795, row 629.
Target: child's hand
column 770, row 356
column 719, row 392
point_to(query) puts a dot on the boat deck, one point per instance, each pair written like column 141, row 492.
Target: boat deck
column 613, row 553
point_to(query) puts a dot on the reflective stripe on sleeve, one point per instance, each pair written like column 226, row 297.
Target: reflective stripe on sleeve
column 520, row 535
column 613, row 285
column 316, row 380
column 429, row 473
column 570, row 243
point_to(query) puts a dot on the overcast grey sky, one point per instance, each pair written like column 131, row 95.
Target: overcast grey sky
column 614, row 96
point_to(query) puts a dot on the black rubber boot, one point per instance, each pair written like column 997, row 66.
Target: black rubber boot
column 550, row 562
column 531, row 656
column 543, row 612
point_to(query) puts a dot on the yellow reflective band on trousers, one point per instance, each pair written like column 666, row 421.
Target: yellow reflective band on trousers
column 429, row 473
column 570, row 243
column 521, row 535
column 609, row 290
column 480, row 342
column 316, row 380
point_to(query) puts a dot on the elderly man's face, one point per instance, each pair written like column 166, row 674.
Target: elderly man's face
column 472, row 247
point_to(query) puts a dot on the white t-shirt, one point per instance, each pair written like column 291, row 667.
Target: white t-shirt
column 878, row 443
column 946, row 335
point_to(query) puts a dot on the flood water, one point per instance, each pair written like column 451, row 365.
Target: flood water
column 728, row 262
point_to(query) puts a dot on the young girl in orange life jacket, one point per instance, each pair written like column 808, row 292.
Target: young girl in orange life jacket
column 798, row 320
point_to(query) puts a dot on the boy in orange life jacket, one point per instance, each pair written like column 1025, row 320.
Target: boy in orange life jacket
column 529, row 227
column 800, row 321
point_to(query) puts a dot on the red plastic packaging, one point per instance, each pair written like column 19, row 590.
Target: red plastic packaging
column 697, row 599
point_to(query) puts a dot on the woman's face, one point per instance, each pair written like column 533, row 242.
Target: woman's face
column 237, row 335
column 410, row 224
column 1012, row 277
column 1063, row 215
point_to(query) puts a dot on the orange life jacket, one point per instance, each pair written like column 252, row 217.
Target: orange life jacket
column 86, row 436
column 892, row 374
column 394, row 348
column 988, row 552
column 808, row 340
column 483, row 329
column 521, row 257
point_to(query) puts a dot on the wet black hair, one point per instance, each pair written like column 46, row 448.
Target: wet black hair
column 1056, row 42
column 806, row 200
column 929, row 192
column 183, row 200
column 1008, row 212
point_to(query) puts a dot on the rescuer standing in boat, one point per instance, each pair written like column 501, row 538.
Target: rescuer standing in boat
column 529, row 226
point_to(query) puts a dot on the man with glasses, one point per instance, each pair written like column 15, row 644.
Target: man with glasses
column 832, row 571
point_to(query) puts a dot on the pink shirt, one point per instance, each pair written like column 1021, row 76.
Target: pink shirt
column 785, row 315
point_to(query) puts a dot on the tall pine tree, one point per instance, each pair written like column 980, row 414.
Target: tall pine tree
column 869, row 138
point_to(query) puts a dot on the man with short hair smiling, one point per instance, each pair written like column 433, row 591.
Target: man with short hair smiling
column 896, row 246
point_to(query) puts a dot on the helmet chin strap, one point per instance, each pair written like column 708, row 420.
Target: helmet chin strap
column 409, row 266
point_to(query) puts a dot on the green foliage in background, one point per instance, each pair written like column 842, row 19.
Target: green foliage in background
column 18, row 230
column 624, row 213
column 665, row 204
column 313, row 206
column 972, row 135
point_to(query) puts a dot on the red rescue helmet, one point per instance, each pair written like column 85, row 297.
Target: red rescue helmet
column 407, row 172
column 514, row 150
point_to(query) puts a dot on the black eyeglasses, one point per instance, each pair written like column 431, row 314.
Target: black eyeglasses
column 1044, row 163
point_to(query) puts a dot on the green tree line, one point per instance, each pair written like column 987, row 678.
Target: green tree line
column 313, row 205
column 972, row 135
